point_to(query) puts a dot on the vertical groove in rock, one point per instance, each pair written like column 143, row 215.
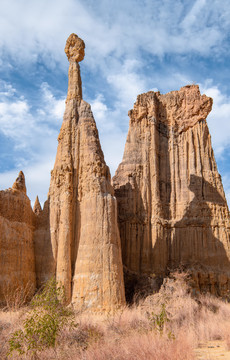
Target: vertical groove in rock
column 169, row 137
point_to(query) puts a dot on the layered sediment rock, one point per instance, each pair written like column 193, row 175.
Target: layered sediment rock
column 172, row 209
column 83, row 211
column 17, row 265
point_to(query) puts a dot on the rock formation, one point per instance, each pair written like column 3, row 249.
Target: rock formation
column 17, row 265
column 83, row 211
column 44, row 259
column 37, row 209
column 172, row 209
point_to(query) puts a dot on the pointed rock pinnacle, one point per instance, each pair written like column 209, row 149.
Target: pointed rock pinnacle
column 19, row 183
column 37, row 206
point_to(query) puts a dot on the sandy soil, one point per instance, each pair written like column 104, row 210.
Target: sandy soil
column 212, row 350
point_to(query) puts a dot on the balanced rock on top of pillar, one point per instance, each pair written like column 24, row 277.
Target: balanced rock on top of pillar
column 83, row 210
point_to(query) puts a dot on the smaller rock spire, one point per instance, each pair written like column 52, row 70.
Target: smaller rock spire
column 20, row 183
column 37, row 209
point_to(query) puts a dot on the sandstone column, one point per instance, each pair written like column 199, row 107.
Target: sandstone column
column 83, row 220
column 172, row 209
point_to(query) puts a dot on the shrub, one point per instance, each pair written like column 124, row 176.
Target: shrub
column 158, row 321
column 47, row 317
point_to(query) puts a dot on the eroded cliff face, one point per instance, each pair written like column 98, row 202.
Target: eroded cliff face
column 83, row 211
column 172, row 209
column 17, row 264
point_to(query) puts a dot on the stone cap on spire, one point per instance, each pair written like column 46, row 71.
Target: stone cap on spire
column 20, row 183
column 37, row 209
column 75, row 51
column 75, row 48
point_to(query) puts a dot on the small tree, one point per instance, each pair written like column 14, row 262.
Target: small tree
column 47, row 317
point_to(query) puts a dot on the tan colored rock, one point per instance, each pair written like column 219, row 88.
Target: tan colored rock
column 75, row 52
column 17, row 264
column 44, row 258
column 75, row 48
column 37, row 209
column 172, row 209
column 19, row 183
column 83, row 210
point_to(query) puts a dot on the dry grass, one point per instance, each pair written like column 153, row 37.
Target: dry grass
column 145, row 346
column 227, row 341
column 132, row 333
column 17, row 296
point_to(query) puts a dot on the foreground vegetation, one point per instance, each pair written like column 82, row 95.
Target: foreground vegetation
column 167, row 325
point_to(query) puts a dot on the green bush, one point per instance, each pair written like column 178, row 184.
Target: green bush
column 158, row 321
column 48, row 315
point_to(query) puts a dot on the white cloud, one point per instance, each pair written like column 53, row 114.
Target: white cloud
column 112, row 134
column 191, row 16
column 33, row 135
column 6, row 89
column 101, row 113
column 218, row 120
column 38, row 29
column 20, row 122
column 37, row 177
column 53, row 108
column 127, row 83
column 219, row 127
column 15, row 120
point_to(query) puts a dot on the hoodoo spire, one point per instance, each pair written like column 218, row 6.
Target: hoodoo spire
column 37, row 209
column 20, row 183
column 83, row 211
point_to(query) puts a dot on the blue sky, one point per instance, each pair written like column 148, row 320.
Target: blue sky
column 132, row 46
